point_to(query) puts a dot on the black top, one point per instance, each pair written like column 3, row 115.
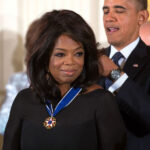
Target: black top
column 91, row 122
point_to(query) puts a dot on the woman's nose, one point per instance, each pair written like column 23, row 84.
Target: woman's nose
column 69, row 60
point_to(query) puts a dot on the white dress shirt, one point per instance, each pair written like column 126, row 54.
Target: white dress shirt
column 126, row 51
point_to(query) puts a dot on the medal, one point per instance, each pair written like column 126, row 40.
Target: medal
column 50, row 122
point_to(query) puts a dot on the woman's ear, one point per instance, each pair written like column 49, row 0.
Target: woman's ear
column 143, row 17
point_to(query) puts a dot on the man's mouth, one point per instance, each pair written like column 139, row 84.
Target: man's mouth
column 112, row 29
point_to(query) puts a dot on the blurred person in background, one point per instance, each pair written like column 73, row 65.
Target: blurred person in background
column 17, row 81
column 145, row 33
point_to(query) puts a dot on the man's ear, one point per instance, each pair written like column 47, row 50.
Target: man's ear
column 143, row 17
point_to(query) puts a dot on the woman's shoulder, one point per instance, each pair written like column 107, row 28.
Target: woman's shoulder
column 98, row 93
column 25, row 92
column 25, row 95
column 26, row 98
column 95, row 88
column 97, row 97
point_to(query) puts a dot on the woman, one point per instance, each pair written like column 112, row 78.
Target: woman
column 64, row 109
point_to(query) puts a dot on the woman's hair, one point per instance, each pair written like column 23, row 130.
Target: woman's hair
column 30, row 38
column 49, row 28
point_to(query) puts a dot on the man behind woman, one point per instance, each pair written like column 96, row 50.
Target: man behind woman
column 127, row 67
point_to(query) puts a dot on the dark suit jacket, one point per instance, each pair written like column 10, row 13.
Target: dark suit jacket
column 134, row 98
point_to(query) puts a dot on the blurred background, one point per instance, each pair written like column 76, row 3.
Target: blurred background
column 15, row 17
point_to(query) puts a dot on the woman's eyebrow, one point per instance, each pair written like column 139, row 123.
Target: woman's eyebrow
column 63, row 49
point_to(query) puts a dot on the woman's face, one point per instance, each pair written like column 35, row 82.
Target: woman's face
column 67, row 60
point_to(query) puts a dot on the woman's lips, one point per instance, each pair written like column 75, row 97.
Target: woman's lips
column 69, row 72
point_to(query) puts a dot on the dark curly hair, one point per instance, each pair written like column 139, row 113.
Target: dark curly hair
column 48, row 29
column 29, row 40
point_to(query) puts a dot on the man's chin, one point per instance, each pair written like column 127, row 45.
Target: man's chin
column 115, row 43
column 112, row 41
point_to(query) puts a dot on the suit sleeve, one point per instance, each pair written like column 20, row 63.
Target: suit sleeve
column 134, row 104
column 110, row 125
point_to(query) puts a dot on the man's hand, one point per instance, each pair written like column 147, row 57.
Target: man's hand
column 106, row 65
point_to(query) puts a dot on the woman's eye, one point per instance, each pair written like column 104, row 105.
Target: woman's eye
column 59, row 54
column 79, row 54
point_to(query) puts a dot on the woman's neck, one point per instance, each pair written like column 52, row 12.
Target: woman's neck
column 64, row 88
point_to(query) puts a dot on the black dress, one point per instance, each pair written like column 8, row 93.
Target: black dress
column 91, row 122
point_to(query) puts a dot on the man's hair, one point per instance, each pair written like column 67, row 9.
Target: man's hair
column 141, row 4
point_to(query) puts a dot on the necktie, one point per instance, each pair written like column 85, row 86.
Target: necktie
column 115, row 59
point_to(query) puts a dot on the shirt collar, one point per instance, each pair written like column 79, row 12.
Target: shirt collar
column 126, row 51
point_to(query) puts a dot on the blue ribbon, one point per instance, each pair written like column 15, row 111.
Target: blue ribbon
column 64, row 102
